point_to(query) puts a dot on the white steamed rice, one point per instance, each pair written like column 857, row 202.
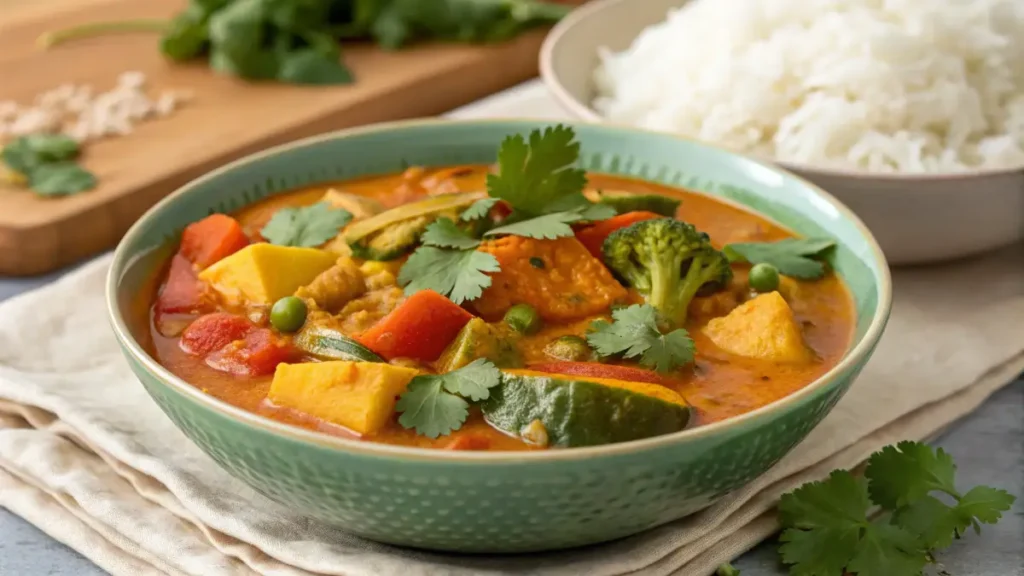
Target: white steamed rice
column 908, row 86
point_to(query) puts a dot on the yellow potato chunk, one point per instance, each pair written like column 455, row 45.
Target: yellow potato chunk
column 357, row 395
column 761, row 328
column 263, row 273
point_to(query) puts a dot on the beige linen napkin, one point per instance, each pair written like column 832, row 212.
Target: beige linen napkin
column 89, row 458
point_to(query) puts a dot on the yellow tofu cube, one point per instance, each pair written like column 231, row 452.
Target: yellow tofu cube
column 357, row 395
column 263, row 273
column 761, row 328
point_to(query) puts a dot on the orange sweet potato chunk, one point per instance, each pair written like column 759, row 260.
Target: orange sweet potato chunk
column 559, row 278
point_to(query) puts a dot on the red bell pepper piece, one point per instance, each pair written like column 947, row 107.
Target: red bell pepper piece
column 596, row 370
column 420, row 328
column 593, row 236
column 215, row 237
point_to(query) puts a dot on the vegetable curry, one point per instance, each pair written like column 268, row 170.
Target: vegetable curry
column 524, row 305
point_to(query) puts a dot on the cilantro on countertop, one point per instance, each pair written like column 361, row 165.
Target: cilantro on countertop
column 634, row 333
column 46, row 163
column 796, row 257
column 436, row 405
column 829, row 530
column 307, row 226
column 299, row 41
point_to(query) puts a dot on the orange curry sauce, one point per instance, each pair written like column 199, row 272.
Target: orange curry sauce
column 719, row 385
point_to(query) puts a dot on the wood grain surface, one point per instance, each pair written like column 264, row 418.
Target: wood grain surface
column 227, row 118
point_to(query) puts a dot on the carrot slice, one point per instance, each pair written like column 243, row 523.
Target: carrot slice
column 593, row 236
column 215, row 237
column 595, row 370
column 421, row 328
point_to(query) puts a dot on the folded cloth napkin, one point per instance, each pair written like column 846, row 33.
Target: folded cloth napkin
column 89, row 458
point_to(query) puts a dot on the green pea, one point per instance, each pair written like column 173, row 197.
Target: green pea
column 288, row 314
column 523, row 319
column 568, row 348
column 764, row 277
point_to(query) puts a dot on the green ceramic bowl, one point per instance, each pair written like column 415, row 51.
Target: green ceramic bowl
column 498, row 502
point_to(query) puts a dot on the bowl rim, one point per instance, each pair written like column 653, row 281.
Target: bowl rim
column 122, row 258
column 555, row 41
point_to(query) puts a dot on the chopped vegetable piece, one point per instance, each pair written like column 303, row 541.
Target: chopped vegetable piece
column 394, row 232
column 306, row 226
column 329, row 344
column 262, row 273
column 668, row 262
column 570, row 348
column 584, row 412
column 212, row 239
column 357, row 395
column 212, row 332
column 625, row 202
column 257, row 355
column 288, row 314
column 796, row 257
column 828, row 530
column 420, row 328
column 182, row 293
column 359, row 206
column 593, row 236
column 634, row 332
column 598, row 370
column 478, row 339
column 762, row 328
column 436, row 405
column 764, row 278
column 335, row 287
column 523, row 318
column 571, row 285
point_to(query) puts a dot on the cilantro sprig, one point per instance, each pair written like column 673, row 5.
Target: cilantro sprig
column 306, row 226
column 829, row 530
column 634, row 332
column 539, row 180
column 796, row 257
column 46, row 163
column 436, row 405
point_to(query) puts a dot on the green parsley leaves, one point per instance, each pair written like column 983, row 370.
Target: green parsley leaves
column 796, row 257
column 448, row 263
column 436, row 405
column 47, row 163
column 307, row 226
column 828, row 531
column 634, row 333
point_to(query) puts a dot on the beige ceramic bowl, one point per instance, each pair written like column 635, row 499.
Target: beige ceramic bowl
column 916, row 219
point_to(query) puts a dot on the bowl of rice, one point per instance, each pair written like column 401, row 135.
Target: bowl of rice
column 911, row 112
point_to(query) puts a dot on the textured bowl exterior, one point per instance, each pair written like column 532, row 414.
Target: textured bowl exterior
column 916, row 219
column 499, row 502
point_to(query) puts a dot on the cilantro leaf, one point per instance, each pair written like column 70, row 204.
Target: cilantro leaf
column 796, row 257
column 474, row 380
column 634, row 332
column 887, row 550
column 981, row 504
column 28, row 152
column 931, row 519
column 478, row 209
column 547, row 227
column 534, row 175
column 307, row 226
column 435, row 405
column 458, row 274
column 443, row 233
column 60, row 178
column 902, row 474
column 727, row 570
column 428, row 408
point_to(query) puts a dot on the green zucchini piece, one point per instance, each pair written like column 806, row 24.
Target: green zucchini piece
column 627, row 202
column 478, row 339
column 391, row 234
column 577, row 412
column 330, row 344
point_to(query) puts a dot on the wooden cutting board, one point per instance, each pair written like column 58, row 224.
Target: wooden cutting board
column 226, row 119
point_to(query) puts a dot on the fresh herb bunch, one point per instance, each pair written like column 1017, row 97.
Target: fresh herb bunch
column 539, row 180
column 46, row 163
column 829, row 530
column 297, row 41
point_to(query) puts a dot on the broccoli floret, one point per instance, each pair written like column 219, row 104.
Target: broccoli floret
column 668, row 262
